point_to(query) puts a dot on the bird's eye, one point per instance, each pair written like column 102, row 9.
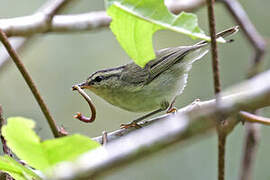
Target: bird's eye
column 98, row 78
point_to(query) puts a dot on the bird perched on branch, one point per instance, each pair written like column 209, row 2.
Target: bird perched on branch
column 154, row 87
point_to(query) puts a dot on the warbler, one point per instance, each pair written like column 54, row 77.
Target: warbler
column 154, row 87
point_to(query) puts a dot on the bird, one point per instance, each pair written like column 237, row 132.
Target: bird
column 154, row 87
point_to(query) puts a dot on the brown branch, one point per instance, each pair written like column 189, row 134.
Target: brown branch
column 212, row 29
column 217, row 87
column 30, row 83
column 259, row 45
column 249, row 150
column 256, row 40
column 18, row 43
column 171, row 129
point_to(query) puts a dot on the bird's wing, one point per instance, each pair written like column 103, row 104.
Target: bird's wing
column 134, row 74
column 167, row 58
column 170, row 56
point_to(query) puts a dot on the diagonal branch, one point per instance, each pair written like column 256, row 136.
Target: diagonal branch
column 30, row 83
column 255, row 39
column 250, row 95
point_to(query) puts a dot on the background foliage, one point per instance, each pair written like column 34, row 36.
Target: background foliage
column 56, row 62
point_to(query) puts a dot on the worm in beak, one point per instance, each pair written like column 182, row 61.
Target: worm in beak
column 89, row 101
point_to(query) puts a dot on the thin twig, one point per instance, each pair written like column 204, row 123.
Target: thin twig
column 250, row 148
column 18, row 43
column 256, row 40
column 212, row 29
column 253, row 118
column 104, row 138
column 217, row 86
column 30, row 83
column 259, row 45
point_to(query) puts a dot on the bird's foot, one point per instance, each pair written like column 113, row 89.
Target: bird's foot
column 130, row 125
column 172, row 110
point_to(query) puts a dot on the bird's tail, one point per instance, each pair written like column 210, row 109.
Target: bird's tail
column 223, row 34
column 197, row 51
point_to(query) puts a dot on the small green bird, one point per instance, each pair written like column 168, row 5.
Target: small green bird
column 154, row 87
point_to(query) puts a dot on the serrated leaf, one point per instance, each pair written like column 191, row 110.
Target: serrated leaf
column 24, row 142
column 135, row 21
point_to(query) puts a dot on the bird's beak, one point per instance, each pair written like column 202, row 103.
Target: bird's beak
column 82, row 86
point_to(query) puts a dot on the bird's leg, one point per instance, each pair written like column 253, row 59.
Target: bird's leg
column 171, row 108
column 134, row 123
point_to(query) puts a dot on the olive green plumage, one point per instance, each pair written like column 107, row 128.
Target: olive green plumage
column 137, row 89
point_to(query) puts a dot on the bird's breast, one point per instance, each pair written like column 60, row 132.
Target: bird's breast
column 148, row 97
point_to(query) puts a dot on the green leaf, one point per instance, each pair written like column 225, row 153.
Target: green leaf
column 24, row 142
column 135, row 21
column 67, row 148
column 16, row 170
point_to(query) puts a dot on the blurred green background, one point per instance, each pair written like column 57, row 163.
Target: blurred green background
column 58, row 61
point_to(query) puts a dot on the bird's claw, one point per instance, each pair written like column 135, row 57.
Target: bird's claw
column 130, row 125
column 172, row 110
